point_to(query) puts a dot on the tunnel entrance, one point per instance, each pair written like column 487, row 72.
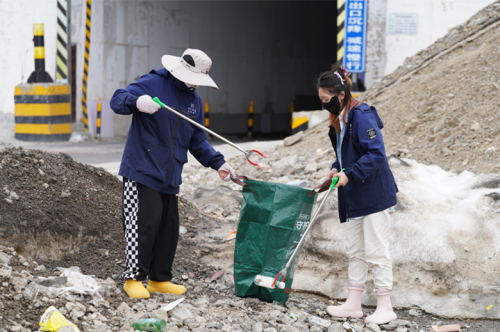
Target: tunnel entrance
column 267, row 52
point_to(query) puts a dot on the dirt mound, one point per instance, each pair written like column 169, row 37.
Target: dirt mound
column 476, row 24
column 64, row 213
column 53, row 206
column 442, row 106
column 57, row 212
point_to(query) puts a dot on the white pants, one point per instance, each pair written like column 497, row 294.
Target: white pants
column 367, row 241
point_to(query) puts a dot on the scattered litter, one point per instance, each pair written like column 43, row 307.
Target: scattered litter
column 298, row 183
column 231, row 236
column 349, row 327
column 489, row 307
column 52, row 320
column 447, row 328
column 172, row 305
column 324, row 151
column 150, row 324
column 80, row 284
column 208, row 208
column 37, row 291
column 77, row 138
column 414, row 312
column 293, row 316
column 217, row 275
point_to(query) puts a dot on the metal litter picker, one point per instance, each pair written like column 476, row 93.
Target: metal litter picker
column 247, row 153
column 269, row 282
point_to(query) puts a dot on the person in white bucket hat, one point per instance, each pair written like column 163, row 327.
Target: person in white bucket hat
column 154, row 155
column 192, row 68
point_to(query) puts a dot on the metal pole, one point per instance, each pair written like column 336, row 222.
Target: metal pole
column 206, row 129
column 283, row 272
column 98, row 121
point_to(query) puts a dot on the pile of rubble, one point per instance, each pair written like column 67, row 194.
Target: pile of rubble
column 28, row 288
column 441, row 106
column 31, row 282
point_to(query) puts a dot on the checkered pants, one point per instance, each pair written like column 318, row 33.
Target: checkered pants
column 130, row 208
column 151, row 227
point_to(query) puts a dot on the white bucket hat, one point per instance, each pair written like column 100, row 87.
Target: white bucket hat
column 191, row 68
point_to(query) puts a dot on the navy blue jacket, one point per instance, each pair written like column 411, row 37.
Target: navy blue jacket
column 157, row 145
column 371, row 187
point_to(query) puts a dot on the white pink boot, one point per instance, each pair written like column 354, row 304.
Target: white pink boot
column 352, row 306
column 384, row 313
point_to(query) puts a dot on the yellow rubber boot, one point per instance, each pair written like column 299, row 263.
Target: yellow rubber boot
column 165, row 287
column 135, row 289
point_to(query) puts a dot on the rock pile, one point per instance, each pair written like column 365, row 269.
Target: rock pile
column 28, row 288
column 30, row 284
column 442, row 105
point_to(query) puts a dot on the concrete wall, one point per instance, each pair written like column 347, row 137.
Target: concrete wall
column 266, row 52
column 376, row 55
column 386, row 51
column 435, row 18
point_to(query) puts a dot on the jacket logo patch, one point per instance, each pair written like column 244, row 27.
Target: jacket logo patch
column 192, row 110
column 372, row 133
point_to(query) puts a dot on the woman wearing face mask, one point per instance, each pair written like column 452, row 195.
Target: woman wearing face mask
column 366, row 191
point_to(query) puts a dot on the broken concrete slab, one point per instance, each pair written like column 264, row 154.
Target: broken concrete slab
column 291, row 140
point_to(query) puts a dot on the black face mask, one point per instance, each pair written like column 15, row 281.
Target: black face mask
column 333, row 106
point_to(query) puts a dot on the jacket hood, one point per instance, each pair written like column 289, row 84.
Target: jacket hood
column 366, row 108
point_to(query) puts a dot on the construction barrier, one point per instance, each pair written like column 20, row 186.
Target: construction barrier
column 42, row 112
column 340, row 29
column 300, row 124
column 86, row 67
column 207, row 116
column 62, row 41
column 250, row 120
column 98, row 120
column 39, row 75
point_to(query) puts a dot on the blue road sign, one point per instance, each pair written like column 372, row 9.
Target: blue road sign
column 355, row 35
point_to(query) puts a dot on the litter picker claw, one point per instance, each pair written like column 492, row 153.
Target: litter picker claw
column 269, row 282
column 247, row 153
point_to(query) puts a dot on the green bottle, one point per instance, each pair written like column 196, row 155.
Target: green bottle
column 150, row 324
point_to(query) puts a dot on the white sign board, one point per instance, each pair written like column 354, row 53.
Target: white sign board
column 402, row 24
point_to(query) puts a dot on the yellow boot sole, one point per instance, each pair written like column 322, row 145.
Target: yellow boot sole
column 165, row 287
column 135, row 289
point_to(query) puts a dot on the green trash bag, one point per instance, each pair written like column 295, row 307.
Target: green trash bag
column 272, row 220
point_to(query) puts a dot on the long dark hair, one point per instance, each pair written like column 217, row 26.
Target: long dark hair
column 331, row 82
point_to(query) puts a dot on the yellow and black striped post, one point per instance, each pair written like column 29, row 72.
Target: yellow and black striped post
column 39, row 75
column 42, row 112
column 250, row 120
column 98, row 121
column 292, row 108
column 300, row 124
column 62, row 40
column 86, row 67
column 207, row 116
column 340, row 29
